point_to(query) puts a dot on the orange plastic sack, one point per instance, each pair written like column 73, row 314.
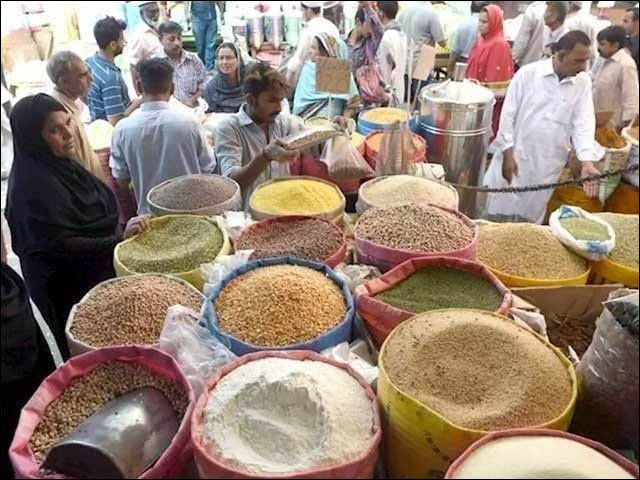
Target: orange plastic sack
column 173, row 461
column 211, row 467
column 381, row 318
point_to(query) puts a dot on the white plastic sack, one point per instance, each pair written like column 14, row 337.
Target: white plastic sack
column 355, row 275
column 193, row 346
column 589, row 249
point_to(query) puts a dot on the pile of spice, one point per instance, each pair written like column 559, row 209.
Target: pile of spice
column 436, row 288
column 280, row 305
column 399, row 190
column 528, row 251
column 193, row 192
column 415, row 228
column 130, row 310
column 307, row 238
column 538, row 456
column 172, row 244
column 626, row 228
column 85, row 395
column 296, row 196
column 478, row 370
column 585, row 229
column 277, row 416
column 609, row 138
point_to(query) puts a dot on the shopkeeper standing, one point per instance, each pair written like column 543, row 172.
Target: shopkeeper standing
column 548, row 105
column 63, row 219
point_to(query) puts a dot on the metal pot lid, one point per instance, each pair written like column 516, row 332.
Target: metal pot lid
column 463, row 93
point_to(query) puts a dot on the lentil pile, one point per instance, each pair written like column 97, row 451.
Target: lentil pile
column 626, row 228
column 296, row 197
column 84, row 396
column 130, row 310
column 404, row 189
column 477, row 370
column 609, row 138
column 528, row 251
column 309, row 239
column 279, row 305
column 415, row 228
column 193, row 192
column 584, row 229
column 436, row 288
column 172, row 245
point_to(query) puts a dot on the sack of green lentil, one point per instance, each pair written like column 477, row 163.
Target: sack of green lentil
column 203, row 194
column 583, row 233
column 428, row 283
column 607, row 407
column 386, row 237
column 308, row 238
column 280, row 304
column 78, row 388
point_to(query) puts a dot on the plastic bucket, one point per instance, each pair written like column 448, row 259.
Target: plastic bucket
column 513, row 281
column 608, row 272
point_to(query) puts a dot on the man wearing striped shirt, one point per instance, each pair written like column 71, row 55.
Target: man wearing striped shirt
column 108, row 96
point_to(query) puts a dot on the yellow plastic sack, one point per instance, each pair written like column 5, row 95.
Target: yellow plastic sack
column 194, row 277
column 573, row 196
column 607, row 272
column 419, row 443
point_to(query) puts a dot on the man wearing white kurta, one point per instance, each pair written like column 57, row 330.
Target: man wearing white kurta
column 549, row 105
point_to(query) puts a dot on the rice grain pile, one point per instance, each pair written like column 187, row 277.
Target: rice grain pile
column 414, row 228
column 85, row 395
column 130, row 310
column 528, row 251
column 309, row 238
column 296, row 196
column 399, row 190
column 280, row 305
column 477, row 370
column 172, row 244
column 626, row 228
column 193, row 192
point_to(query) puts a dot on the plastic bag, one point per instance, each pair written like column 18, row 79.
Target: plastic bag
column 344, row 161
column 607, row 407
column 371, row 84
column 590, row 249
column 234, row 223
column 355, row 275
column 224, row 264
column 198, row 352
column 396, row 152
column 347, row 353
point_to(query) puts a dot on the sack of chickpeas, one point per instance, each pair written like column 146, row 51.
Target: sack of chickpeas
column 82, row 386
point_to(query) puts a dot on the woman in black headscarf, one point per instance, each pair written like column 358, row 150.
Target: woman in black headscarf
column 224, row 91
column 63, row 220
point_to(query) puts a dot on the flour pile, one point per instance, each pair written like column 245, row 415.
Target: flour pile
column 280, row 416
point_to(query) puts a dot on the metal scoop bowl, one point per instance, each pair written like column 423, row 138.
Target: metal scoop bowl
column 121, row 440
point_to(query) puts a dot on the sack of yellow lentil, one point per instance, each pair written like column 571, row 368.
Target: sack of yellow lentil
column 280, row 303
column 297, row 196
column 587, row 235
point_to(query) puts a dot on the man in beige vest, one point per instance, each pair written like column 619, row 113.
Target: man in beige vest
column 72, row 80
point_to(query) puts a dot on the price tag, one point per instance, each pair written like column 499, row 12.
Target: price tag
column 333, row 75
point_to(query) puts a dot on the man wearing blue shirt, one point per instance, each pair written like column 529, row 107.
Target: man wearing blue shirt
column 205, row 29
column 108, row 97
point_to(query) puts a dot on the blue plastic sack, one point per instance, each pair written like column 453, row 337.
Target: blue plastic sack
column 338, row 334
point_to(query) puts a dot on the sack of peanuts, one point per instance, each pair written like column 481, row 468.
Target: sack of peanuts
column 607, row 407
column 81, row 387
column 344, row 161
